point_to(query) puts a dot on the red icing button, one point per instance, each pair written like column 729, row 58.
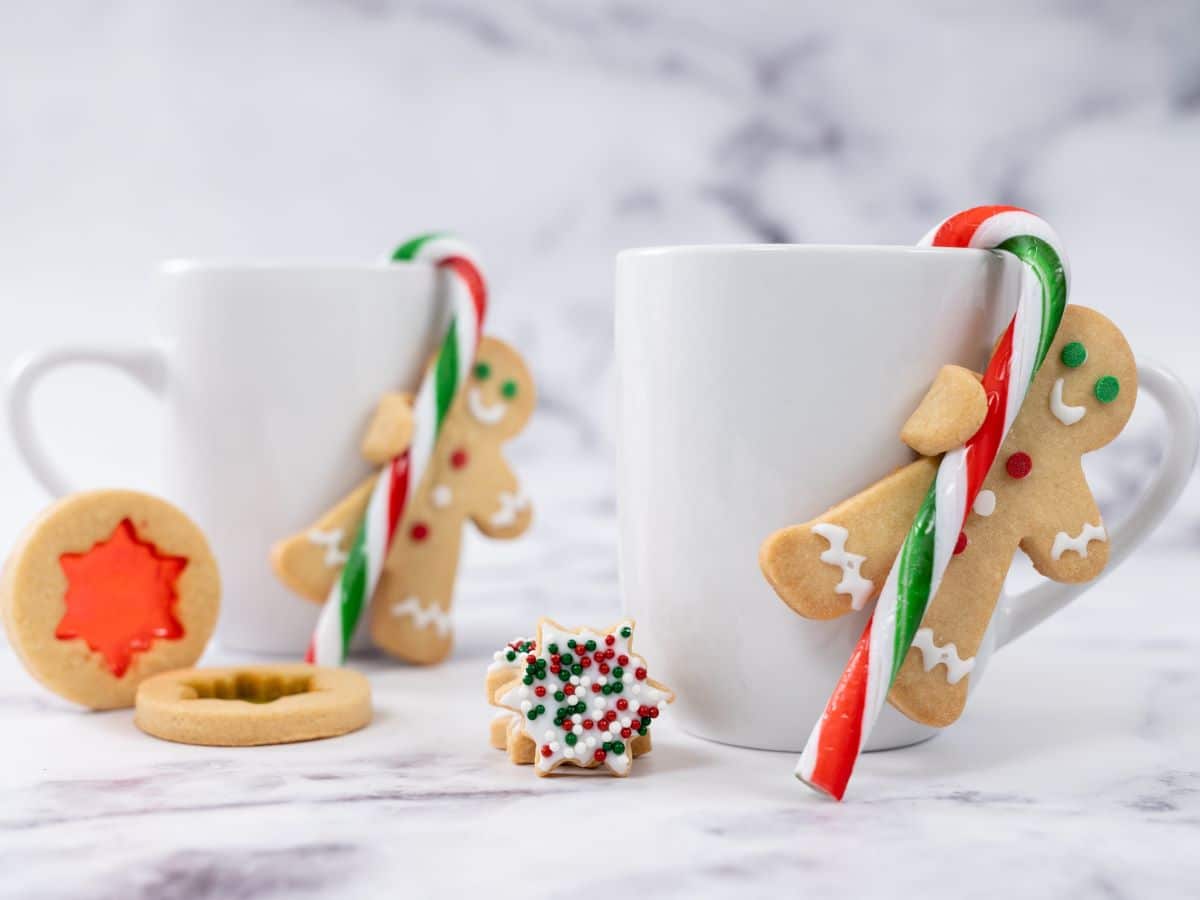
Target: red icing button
column 961, row 544
column 120, row 597
column 419, row 531
column 459, row 458
column 1019, row 465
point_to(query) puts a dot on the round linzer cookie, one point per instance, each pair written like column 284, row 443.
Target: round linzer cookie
column 252, row 705
column 105, row 589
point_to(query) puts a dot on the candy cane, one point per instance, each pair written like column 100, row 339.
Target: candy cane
column 401, row 477
column 839, row 736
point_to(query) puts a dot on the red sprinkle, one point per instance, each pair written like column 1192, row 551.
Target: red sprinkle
column 622, row 703
column 595, row 688
column 587, row 724
column 604, row 669
column 1019, row 465
column 568, row 689
column 622, row 660
column 540, row 690
column 640, row 674
column 598, row 755
column 546, row 751
column 585, row 661
column 961, row 544
column 626, row 733
column 609, row 639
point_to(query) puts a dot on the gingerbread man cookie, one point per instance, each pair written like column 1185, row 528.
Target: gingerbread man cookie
column 467, row 479
column 1035, row 497
column 105, row 589
column 578, row 696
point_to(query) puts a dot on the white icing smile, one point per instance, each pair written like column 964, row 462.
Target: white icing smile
column 511, row 505
column 423, row 616
column 932, row 655
column 332, row 542
column 487, row 415
column 1064, row 542
column 1068, row 415
column 852, row 583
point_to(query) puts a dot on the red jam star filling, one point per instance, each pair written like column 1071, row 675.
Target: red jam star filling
column 120, row 597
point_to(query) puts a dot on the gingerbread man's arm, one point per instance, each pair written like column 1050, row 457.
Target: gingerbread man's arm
column 310, row 561
column 949, row 414
column 499, row 509
column 838, row 562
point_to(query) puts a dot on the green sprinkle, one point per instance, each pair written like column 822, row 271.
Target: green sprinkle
column 531, row 715
column 567, row 659
column 618, row 672
column 571, row 739
column 482, row 371
column 607, row 689
column 511, row 655
column 591, row 645
column 618, row 687
column 1074, row 355
column 1107, row 389
column 560, row 696
column 618, row 748
column 553, row 648
column 626, row 631
column 528, row 679
column 508, row 390
column 576, row 669
column 571, row 643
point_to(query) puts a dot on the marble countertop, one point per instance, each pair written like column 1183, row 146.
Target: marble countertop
column 1076, row 772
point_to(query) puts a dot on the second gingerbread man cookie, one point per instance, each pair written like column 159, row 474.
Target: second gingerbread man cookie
column 467, row 479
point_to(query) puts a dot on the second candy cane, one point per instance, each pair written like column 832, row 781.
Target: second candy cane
column 401, row 478
column 842, row 731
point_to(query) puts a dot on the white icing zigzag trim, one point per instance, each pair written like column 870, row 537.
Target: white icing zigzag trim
column 488, row 415
column 1064, row 542
column 331, row 541
column 1068, row 415
column 932, row 655
column 423, row 616
column 511, row 504
column 852, row 583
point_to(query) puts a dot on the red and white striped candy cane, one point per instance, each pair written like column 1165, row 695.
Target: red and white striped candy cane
column 401, row 478
column 843, row 729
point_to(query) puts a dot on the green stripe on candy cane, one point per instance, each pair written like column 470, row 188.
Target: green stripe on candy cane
column 915, row 578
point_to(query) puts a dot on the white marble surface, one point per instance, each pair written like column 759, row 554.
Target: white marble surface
column 553, row 134
column 1073, row 774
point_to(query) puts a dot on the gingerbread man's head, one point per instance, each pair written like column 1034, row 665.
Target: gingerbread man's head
column 1088, row 383
column 499, row 395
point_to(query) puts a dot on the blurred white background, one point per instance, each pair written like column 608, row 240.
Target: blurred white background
column 552, row 135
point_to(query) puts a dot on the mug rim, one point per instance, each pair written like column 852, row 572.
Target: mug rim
column 190, row 265
column 728, row 249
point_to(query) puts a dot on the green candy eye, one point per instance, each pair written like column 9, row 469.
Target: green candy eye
column 1074, row 355
column 1107, row 388
column 508, row 390
column 483, row 371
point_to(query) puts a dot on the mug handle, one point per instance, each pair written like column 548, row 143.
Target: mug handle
column 1023, row 611
column 145, row 364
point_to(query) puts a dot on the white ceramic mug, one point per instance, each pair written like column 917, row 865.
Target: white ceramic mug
column 268, row 374
column 758, row 386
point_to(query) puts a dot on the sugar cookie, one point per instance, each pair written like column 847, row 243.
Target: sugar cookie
column 603, row 700
column 105, row 589
column 251, row 705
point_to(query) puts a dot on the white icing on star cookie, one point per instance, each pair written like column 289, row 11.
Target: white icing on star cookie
column 852, row 583
column 1068, row 415
column 932, row 655
column 487, row 415
column 1064, row 542
column 423, row 616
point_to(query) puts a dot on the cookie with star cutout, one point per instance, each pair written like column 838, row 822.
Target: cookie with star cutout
column 105, row 589
column 468, row 480
column 574, row 696
column 1035, row 498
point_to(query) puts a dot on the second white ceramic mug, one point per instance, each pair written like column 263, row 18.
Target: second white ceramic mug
column 268, row 374
column 758, row 386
